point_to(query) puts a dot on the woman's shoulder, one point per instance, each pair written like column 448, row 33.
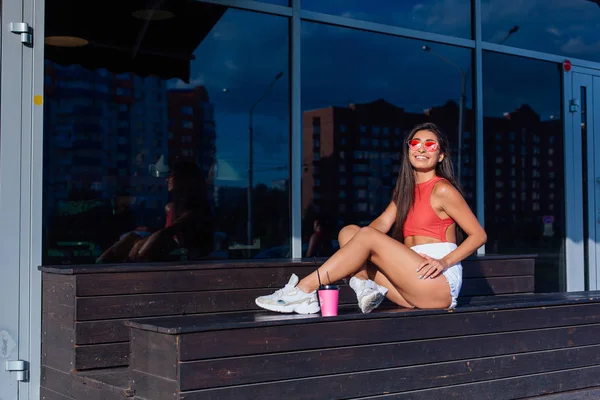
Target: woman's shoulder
column 443, row 188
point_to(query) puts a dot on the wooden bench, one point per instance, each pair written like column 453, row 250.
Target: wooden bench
column 515, row 347
column 84, row 308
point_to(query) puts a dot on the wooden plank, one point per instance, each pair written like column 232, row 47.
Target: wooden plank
column 72, row 386
column 270, row 339
column 103, row 284
column 153, row 353
column 114, row 330
column 58, row 313
column 119, row 378
column 585, row 394
column 184, row 303
column 495, row 268
column 97, row 332
column 101, row 356
column 238, row 320
column 378, row 382
column 219, row 264
column 495, row 286
column 186, row 280
column 274, row 367
column 508, row 389
column 47, row 394
column 151, row 387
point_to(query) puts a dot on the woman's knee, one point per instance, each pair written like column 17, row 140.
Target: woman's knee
column 368, row 231
column 347, row 233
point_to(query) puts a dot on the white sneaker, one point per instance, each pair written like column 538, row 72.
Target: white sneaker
column 369, row 294
column 290, row 299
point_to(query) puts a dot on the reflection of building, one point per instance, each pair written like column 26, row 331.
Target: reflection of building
column 192, row 127
column 523, row 175
column 351, row 156
column 102, row 140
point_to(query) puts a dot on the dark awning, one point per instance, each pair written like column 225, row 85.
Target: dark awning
column 139, row 36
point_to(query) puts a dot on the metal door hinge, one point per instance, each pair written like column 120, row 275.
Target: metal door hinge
column 574, row 105
column 23, row 29
column 20, row 367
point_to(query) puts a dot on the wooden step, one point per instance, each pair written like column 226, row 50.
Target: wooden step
column 510, row 349
column 85, row 307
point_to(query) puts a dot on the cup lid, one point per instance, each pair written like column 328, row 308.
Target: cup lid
column 328, row 287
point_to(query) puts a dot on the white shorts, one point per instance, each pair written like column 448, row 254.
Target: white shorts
column 453, row 274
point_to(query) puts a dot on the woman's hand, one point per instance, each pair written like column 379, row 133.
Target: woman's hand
column 430, row 267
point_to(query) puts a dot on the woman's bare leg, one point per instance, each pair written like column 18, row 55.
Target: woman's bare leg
column 119, row 251
column 370, row 270
column 158, row 244
column 345, row 235
column 396, row 261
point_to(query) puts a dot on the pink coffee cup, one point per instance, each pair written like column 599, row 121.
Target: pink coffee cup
column 328, row 298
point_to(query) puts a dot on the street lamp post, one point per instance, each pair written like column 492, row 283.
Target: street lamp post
column 251, row 153
column 463, row 83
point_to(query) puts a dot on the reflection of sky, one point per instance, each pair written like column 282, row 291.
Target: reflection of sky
column 342, row 66
column 245, row 50
column 567, row 27
column 236, row 63
column 510, row 81
column 451, row 17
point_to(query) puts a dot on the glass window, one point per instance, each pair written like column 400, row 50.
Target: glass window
column 174, row 144
column 450, row 17
column 524, row 95
column 359, row 89
column 565, row 27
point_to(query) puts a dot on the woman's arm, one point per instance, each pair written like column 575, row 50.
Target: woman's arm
column 386, row 220
column 183, row 220
column 457, row 208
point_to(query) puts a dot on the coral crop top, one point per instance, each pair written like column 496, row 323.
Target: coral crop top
column 422, row 219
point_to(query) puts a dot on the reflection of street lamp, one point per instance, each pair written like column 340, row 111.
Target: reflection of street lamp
column 512, row 30
column 251, row 152
column 463, row 81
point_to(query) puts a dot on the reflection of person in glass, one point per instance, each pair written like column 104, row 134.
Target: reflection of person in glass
column 319, row 244
column 188, row 223
column 420, row 265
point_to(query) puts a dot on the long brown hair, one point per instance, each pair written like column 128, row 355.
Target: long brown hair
column 404, row 192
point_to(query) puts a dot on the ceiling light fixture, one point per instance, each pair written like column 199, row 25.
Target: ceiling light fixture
column 66, row 41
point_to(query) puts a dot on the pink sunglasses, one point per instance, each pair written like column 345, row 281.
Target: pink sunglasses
column 430, row 145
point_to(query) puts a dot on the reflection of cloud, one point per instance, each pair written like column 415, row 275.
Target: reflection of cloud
column 446, row 13
column 497, row 36
column 226, row 172
column 502, row 10
column 179, row 84
column 226, row 30
column 577, row 46
column 553, row 31
column 230, row 65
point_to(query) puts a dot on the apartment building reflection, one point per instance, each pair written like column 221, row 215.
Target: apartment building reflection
column 524, row 180
column 106, row 129
column 351, row 156
column 192, row 134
